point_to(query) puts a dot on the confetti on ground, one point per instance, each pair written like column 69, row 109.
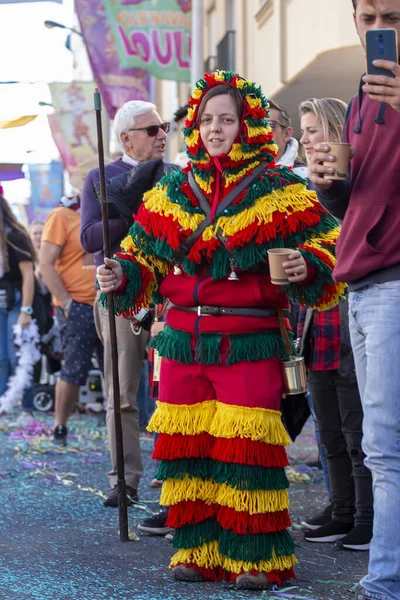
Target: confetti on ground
column 58, row 541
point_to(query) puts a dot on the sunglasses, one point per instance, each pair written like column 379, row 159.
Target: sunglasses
column 152, row 130
column 273, row 124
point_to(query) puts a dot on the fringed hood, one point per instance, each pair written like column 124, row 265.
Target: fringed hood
column 255, row 140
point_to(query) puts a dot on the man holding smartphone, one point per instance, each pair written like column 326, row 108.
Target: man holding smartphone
column 368, row 257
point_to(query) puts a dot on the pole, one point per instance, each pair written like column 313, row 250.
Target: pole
column 122, row 502
column 197, row 64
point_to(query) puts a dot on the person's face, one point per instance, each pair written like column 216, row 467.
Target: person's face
column 139, row 144
column 377, row 14
column 36, row 235
column 312, row 132
column 219, row 124
column 281, row 134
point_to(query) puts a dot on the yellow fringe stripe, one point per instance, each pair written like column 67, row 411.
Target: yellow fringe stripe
column 183, row 418
column 315, row 243
column 254, row 502
column 233, row 178
column 205, row 185
column 253, row 102
column 150, row 261
column 197, row 93
column 220, row 420
column 294, row 198
column 158, row 203
column 237, row 153
column 127, row 245
column 334, row 300
column 193, row 138
column 208, row 556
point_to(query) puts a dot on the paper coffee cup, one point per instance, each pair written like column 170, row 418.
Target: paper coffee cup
column 276, row 258
column 342, row 154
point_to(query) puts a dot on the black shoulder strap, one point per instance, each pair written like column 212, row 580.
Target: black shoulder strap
column 307, row 329
column 186, row 246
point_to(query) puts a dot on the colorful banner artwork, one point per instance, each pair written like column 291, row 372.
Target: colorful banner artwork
column 73, row 123
column 115, row 84
column 153, row 34
column 46, row 189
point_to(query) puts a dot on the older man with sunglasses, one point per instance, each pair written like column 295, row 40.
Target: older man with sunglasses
column 142, row 136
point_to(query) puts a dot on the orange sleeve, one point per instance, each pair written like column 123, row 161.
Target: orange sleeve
column 56, row 228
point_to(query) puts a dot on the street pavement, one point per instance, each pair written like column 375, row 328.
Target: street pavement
column 58, row 542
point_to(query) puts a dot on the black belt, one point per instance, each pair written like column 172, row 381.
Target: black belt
column 222, row 311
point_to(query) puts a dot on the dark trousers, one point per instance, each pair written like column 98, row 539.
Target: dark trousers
column 338, row 410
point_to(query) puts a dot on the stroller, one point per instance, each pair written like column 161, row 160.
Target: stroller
column 47, row 370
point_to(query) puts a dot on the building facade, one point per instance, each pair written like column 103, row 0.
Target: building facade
column 295, row 49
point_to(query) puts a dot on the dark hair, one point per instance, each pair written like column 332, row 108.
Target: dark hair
column 7, row 218
column 354, row 4
column 284, row 118
column 181, row 113
column 218, row 90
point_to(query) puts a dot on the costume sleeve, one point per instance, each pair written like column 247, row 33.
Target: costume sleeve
column 317, row 245
column 145, row 257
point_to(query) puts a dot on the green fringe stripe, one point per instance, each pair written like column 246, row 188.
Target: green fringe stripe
column 249, row 547
column 207, row 349
column 241, row 477
column 123, row 302
column 258, row 346
column 255, row 547
column 174, row 344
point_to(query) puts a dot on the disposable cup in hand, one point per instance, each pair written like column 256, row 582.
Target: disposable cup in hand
column 341, row 152
column 276, row 258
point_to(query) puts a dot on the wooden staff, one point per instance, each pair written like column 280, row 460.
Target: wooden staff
column 122, row 502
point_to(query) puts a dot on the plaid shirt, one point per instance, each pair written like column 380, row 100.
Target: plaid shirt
column 325, row 339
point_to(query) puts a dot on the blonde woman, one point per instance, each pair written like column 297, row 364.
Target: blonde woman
column 333, row 384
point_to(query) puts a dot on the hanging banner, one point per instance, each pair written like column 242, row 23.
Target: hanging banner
column 116, row 85
column 20, row 1
column 153, row 34
column 46, row 189
column 73, row 123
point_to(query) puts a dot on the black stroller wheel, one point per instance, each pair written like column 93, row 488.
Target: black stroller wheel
column 43, row 398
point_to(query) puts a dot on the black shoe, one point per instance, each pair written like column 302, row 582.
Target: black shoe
column 60, row 433
column 330, row 532
column 156, row 525
column 361, row 594
column 358, row 539
column 112, row 500
column 321, row 519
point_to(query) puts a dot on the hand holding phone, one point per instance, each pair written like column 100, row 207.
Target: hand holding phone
column 382, row 81
column 381, row 44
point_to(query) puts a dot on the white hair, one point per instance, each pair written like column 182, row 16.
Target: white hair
column 126, row 115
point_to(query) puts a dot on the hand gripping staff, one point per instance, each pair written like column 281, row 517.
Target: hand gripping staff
column 122, row 502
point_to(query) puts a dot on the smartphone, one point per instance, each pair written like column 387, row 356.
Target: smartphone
column 381, row 44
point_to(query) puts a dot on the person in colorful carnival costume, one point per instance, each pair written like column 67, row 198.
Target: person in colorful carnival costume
column 222, row 442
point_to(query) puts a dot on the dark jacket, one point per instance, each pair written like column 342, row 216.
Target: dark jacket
column 125, row 188
column 125, row 191
column 369, row 202
column 91, row 223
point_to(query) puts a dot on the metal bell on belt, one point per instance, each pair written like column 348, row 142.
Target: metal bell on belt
column 177, row 270
column 233, row 276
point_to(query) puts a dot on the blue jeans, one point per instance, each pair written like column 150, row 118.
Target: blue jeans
column 8, row 356
column 375, row 336
column 320, row 446
column 144, row 402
